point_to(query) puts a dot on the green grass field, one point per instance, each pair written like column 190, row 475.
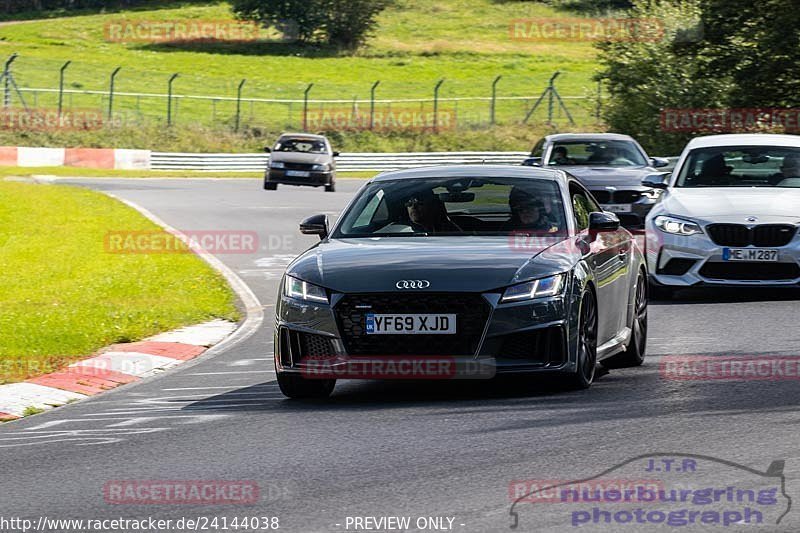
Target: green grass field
column 62, row 296
column 466, row 43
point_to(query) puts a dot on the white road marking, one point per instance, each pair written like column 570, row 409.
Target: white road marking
column 206, row 334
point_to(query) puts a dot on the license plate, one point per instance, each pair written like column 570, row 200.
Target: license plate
column 385, row 324
column 618, row 208
column 298, row 173
column 753, row 255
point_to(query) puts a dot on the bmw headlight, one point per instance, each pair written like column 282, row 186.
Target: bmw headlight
column 677, row 226
column 540, row 288
column 302, row 290
column 276, row 164
column 320, row 168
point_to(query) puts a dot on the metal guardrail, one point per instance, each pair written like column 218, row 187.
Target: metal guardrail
column 346, row 162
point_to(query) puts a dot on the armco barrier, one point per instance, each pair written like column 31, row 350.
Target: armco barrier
column 347, row 162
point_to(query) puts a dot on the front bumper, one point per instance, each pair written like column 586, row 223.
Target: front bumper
column 314, row 179
column 679, row 261
column 528, row 337
column 632, row 218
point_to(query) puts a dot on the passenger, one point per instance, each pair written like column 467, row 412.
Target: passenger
column 560, row 156
column 529, row 213
column 790, row 168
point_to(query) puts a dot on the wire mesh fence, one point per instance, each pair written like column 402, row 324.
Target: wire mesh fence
column 131, row 96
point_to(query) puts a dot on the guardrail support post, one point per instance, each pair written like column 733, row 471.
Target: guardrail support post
column 494, row 98
column 169, row 99
column 305, row 106
column 239, row 103
column 61, row 87
column 436, row 105
column 372, row 104
column 111, row 93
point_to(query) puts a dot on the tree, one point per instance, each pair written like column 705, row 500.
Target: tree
column 339, row 23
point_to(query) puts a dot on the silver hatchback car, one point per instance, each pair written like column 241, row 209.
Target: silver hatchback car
column 729, row 215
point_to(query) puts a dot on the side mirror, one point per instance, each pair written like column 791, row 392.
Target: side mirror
column 657, row 181
column 315, row 225
column 532, row 162
column 602, row 221
column 659, row 162
column 267, row 149
column 335, row 154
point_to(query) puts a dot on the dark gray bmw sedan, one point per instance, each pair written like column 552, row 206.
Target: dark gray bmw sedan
column 462, row 272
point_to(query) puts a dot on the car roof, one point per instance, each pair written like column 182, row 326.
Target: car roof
column 744, row 139
column 304, row 136
column 475, row 171
column 588, row 137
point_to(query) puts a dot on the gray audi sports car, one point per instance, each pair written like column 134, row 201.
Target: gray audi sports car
column 729, row 215
column 610, row 165
column 462, row 272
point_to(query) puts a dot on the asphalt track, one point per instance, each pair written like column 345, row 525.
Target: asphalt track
column 398, row 449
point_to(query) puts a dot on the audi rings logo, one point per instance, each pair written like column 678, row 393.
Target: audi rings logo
column 413, row 284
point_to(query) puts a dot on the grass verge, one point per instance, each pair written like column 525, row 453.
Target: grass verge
column 62, row 296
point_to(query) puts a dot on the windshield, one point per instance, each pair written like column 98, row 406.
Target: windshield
column 597, row 153
column 455, row 206
column 744, row 166
column 309, row 146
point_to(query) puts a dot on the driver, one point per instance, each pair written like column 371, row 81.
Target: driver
column 427, row 213
column 790, row 168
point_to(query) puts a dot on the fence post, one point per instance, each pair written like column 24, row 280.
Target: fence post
column 551, row 97
column 372, row 104
column 239, row 103
column 111, row 93
column 599, row 99
column 494, row 97
column 305, row 106
column 436, row 105
column 169, row 99
column 61, row 87
column 7, row 79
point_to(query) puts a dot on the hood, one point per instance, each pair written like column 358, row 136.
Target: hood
column 450, row 264
column 729, row 204
column 598, row 176
column 300, row 157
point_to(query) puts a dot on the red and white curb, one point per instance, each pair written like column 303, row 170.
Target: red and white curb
column 113, row 366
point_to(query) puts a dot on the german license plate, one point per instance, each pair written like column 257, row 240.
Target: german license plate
column 298, row 173
column 618, row 208
column 386, row 324
column 752, row 255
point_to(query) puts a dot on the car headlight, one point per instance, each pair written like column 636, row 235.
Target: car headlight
column 677, row 226
column 302, row 290
column 653, row 194
column 320, row 168
column 276, row 164
column 540, row 288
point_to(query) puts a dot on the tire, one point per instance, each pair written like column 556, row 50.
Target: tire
column 635, row 353
column 331, row 187
column 270, row 186
column 296, row 386
column 584, row 374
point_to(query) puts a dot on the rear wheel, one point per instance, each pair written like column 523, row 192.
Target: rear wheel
column 270, row 186
column 587, row 344
column 296, row 386
column 634, row 355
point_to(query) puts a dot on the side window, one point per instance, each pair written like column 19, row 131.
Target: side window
column 538, row 150
column 582, row 205
column 375, row 211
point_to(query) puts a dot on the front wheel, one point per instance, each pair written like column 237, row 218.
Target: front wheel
column 331, row 187
column 270, row 186
column 587, row 344
column 634, row 354
column 296, row 386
